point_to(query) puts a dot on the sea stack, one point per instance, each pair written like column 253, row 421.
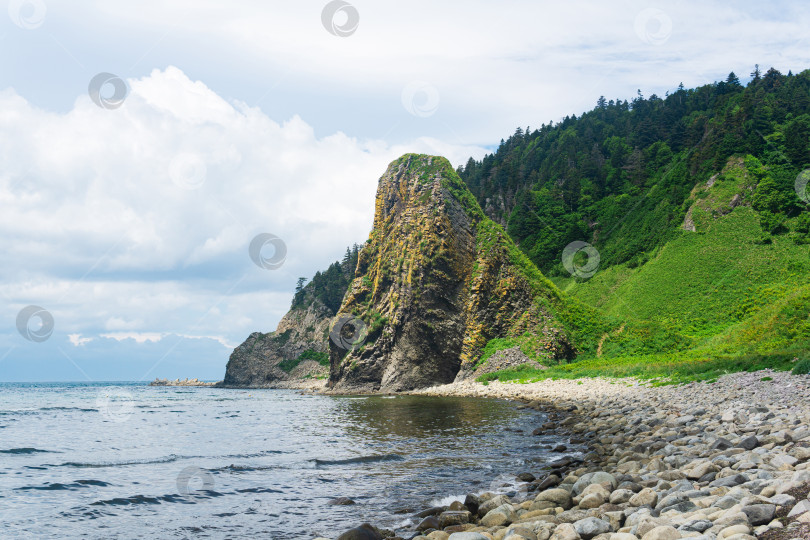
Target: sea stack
column 435, row 281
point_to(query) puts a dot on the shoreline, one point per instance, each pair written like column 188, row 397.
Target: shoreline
column 723, row 461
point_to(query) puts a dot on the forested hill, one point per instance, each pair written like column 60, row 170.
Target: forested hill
column 620, row 175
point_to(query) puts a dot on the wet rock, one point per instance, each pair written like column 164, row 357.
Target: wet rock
column 450, row 518
column 432, row 511
column 550, row 481
column 502, row 515
column 430, row 522
column 558, row 496
column 363, row 532
column 491, row 504
column 472, row 502
column 341, row 501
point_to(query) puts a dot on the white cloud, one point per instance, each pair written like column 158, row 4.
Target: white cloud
column 77, row 340
column 112, row 224
column 137, row 337
column 496, row 65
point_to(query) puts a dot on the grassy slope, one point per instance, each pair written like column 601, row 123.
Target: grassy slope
column 583, row 323
column 744, row 304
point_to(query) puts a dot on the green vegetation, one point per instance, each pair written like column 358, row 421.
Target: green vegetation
column 329, row 287
column 690, row 202
column 376, row 323
column 288, row 365
column 660, row 369
column 802, row 367
column 281, row 338
column 621, row 174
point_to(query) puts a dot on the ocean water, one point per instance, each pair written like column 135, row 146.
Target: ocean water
column 133, row 461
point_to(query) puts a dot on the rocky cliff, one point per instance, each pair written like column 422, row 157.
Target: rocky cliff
column 298, row 348
column 293, row 351
column 435, row 284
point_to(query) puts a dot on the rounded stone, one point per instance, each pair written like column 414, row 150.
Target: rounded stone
column 663, row 532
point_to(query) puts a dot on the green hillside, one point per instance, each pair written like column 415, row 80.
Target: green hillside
column 691, row 202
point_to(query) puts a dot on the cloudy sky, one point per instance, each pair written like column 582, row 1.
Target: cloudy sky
column 143, row 145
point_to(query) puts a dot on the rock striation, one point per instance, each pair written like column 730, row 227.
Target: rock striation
column 435, row 282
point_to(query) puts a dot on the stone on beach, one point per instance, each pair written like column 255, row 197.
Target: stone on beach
column 656, row 466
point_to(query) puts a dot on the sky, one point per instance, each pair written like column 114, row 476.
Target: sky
column 145, row 145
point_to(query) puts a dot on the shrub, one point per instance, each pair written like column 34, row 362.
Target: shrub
column 802, row 368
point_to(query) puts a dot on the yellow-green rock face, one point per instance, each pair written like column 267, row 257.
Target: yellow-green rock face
column 435, row 281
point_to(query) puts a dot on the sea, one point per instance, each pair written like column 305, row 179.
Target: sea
column 128, row 460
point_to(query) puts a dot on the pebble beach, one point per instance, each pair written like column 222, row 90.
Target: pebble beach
column 720, row 461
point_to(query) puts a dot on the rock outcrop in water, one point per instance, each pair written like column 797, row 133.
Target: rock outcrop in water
column 261, row 360
column 435, row 282
column 298, row 349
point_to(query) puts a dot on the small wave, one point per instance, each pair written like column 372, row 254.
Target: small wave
column 93, row 483
column 66, row 409
column 58, row 486
column 145, row 499
column 360, row 459
column 253, row 455
column 447, row 501
column 246, row 468
column 258, row 490
column 167, row 459
column 27, row 451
